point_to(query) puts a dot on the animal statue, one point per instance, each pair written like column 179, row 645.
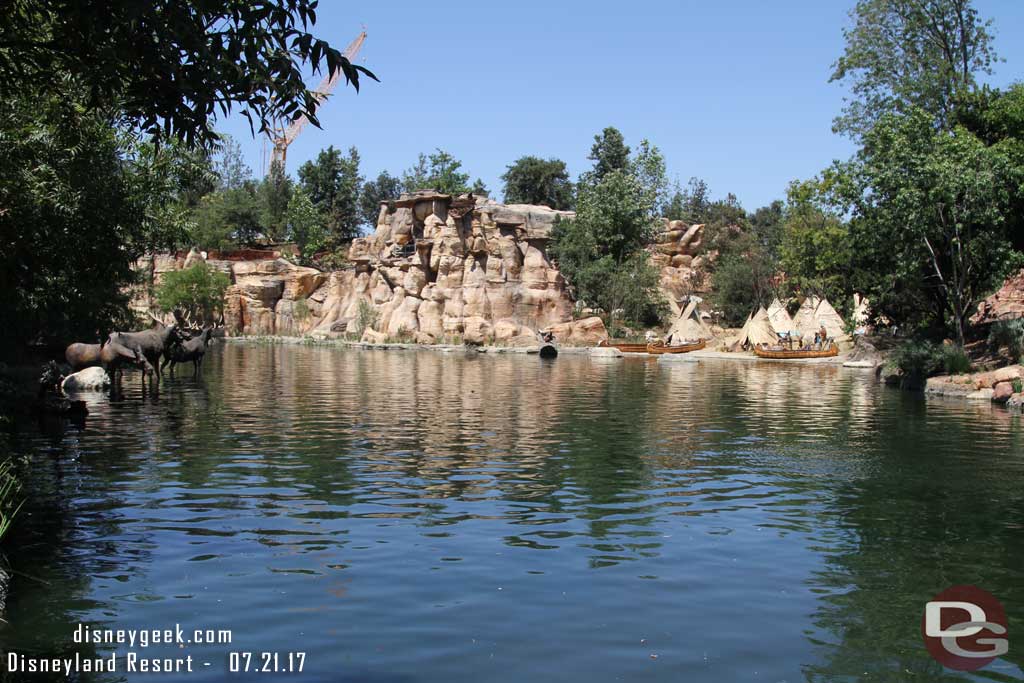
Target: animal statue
column 114, row 356
column 189, row 350
column 80, row 356
column 153, row 343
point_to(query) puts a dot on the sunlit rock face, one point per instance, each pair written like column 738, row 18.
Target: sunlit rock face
column 437, row 268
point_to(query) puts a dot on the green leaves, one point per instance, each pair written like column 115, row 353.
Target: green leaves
column 902, row 54
column 532, row 180
column 198, row 291
column 172, row 67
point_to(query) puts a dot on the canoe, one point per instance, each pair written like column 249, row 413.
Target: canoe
column 625, row 347
column 787, row 354
column 682, row 348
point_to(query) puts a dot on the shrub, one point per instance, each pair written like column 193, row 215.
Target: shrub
column 1008, row 333
column 918, row 360
column 198, row 291
column 366, row 317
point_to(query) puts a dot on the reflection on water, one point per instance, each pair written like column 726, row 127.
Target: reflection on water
column 448, row 517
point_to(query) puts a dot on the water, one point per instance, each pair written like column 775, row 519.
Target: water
column 419, row 516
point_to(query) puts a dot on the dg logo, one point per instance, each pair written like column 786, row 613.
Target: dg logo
column 965, row 628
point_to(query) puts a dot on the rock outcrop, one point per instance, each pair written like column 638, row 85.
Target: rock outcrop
column 1006, row 304
column 90, row 379
column 437, row 268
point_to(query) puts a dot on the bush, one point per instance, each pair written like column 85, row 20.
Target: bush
column 197, row 291
column 366, row 317
column 1008, row 333
column 919, row 360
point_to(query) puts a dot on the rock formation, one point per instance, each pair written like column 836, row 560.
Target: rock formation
column 1006, row 304
column 677, row 253
column 437, row 268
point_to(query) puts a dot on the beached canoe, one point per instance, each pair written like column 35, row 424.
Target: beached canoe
column 794, row 354
column 625, row 347
column 682, row 348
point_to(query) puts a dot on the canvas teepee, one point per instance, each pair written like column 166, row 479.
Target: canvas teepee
column 779, row 317
column 688, row 326
column 805, row 322
column 758, row 330
column 830, row 319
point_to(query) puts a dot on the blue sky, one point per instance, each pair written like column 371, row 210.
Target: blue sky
column 735, row 92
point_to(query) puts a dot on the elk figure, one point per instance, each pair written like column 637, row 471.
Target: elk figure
column 153, row 344
column 112, row 356
column 189, row 350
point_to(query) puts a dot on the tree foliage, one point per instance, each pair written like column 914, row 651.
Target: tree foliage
column 171, row 67
column 532, row 180
column 80, row 203
column 929, row 230
column 196, row 291
column 601, row 251
column 440, row 172
column 383, row 188
column 306, row 226
column 609, row 153
column 904, row 54
column 333, row 184
column 815, row 249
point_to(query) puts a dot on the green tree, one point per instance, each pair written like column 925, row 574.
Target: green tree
column 385, row 187
column 532, row 180
column 439, row 172
column 81, row 202
column 333, row 183
column 229, row 165
column 274, row 193
column 815, row 249
column 767, row 225
column 904, row 54
column 170, row 67
column 228, row 217
column 305, row 225
column 928, row 219
column 690, row 204
column 740, row 282
column 197, row 292
column 601, row 252
column 609, row 153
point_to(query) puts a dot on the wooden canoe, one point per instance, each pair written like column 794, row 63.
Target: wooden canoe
column 625, row 347
column 788, row 354
column 682, row 348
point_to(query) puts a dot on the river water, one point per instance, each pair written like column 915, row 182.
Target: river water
column 423, row 516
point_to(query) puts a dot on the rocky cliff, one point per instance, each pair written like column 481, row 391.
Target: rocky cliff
column 437, row 268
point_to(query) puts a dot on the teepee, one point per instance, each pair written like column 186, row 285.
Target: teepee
column 779, row 317
column 830, row 319
column 805, row 322
column 758, row 330
column 688, row 326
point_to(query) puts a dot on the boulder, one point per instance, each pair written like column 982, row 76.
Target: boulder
column 605, row 352
column 90, row 379
column 980, row 395
column 1002, row 392
column 372, row 336
column 1016, row 401
column 1006, row 304
column 583, row 332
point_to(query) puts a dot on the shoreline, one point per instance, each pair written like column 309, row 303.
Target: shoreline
column 602, row 352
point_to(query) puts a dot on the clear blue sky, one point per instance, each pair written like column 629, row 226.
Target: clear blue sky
column 735, row 92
